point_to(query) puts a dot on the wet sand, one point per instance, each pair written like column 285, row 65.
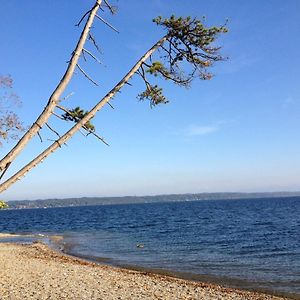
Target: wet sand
column 38, row 272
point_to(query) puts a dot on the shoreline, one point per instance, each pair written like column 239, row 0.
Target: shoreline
column 37, row 271
column 226, row 282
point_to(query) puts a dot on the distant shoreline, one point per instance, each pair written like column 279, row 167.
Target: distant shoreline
column 90, row 201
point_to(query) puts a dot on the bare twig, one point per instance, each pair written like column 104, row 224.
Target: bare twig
column 96, row 135
column 82, row 133
column 66, row 97
column 87, row 76
column 106, row 23
column 83, row 55
column 91, row 37
column 141, row 72
column 92, row 55
column 110, row 105
column 4, row 171
column 58, row 116
column 53, row 130
column 111, row 8
column 63, row 109
column 39, row 135
column 83, row 18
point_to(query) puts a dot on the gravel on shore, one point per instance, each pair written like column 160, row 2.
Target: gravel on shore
column 37, row 272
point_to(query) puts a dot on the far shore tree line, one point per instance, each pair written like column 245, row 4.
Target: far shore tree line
column 185, row 51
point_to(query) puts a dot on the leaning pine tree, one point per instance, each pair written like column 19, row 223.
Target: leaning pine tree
column 184, row 53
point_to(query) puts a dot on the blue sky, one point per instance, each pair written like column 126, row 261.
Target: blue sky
column 237, row 132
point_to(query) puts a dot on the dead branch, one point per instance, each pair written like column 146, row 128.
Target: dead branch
column 86, row 75
column 141, row 72
column 53, row 130
column 110, row 105
column 83, row 55
column 58, row 116
column 108, row 24
column 111, row 8
column 66, row 97
column 40, row 137
column 96, row 135
column 92, row 55
column 91, row 38
column 64, row 109
column 82, row 18
column 82, row 133
column 4, row 171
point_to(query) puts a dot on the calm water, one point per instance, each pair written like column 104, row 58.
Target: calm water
column 253, row 243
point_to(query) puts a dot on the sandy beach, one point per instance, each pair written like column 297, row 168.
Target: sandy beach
column 38, row 272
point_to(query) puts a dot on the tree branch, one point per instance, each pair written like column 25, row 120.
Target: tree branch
column 110, row 105
column 53, row 130
column 82, row 18
column 96, row 135
column 40, row 137
column 111, row 8
column 92, row 55
column 91, row 37
column 86, row 75
column 64, row 109
column 108, row 24
column 4, row 171
column 66, row 97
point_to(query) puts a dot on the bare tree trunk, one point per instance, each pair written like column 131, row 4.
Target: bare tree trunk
column 54, row 98
column 81, row 123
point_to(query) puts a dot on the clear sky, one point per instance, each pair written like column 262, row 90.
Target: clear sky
column 237, row 132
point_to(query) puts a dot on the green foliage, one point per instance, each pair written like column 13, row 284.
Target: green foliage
column 157, row 68
column 3, row 205
column 76, row 115
column 154, row 94
column 186, row 54
column 190, row 30
column 190, row 42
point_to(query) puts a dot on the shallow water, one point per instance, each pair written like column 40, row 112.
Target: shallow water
column 254, row 242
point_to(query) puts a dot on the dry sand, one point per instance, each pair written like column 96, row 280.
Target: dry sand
column 38, row 272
